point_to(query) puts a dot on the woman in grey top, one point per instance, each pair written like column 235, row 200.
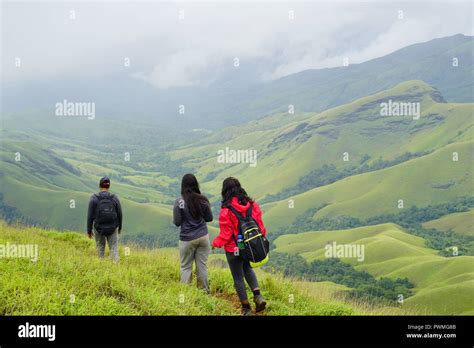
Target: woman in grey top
column 191, row 211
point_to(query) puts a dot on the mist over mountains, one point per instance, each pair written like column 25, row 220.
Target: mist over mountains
column 239, row 96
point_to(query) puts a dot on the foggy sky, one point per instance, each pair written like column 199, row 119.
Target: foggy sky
column 169, row 51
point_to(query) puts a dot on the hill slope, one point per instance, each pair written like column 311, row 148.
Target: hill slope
column 294, row 153
column 291, row 147
column 391, row 252
column 51, row 185
column 430, row 179
column 461, row 223
column 68, row 279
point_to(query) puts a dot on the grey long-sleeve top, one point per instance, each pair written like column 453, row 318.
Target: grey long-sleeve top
column 190, row 228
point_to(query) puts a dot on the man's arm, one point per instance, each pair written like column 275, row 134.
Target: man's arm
column 119, row 213
column 90, row 215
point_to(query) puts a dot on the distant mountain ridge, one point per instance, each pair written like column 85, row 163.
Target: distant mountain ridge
column 237, row 101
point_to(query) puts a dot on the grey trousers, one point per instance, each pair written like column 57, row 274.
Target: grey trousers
column 112, row 240
column 195, row 251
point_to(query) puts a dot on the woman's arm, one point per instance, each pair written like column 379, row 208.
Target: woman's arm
column 207, row 212
column 226, row 229
column 177, row 212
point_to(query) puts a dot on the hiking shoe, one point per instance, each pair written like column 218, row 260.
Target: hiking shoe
column 246, row 311
column 260, row 303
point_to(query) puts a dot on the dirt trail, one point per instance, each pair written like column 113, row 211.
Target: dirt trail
column 233, row 299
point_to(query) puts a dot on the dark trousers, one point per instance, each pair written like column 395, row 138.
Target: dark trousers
column 241, row 269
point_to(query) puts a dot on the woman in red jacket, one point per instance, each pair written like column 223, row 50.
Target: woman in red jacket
column 234, row 195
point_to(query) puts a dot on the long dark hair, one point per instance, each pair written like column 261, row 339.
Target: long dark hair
column 231, row 188
column 192, row 195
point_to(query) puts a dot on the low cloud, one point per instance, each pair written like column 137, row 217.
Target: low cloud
column 167, row 50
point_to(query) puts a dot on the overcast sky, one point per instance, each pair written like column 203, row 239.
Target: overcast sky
column 168, row 50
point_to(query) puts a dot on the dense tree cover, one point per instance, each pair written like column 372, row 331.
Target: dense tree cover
column 328, row 174
column 364, row 285
column 211, row 176
column 12, row 215
column 410, row 218
column 415, row 215
column 167, row 239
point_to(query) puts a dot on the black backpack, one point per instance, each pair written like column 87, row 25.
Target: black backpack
column 106, row 218
column 254, row 247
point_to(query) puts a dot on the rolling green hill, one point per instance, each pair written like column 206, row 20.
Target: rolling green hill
column 51, row 190
column 308, row 142
column 290, row 149
column 391, row 252
column 429, row 179
column 461, row 223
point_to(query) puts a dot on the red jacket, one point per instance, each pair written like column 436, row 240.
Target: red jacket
column 228, row 224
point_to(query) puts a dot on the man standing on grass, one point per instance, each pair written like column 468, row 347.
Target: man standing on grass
column 105, row 215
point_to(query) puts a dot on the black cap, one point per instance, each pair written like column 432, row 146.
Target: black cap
column 104, row 182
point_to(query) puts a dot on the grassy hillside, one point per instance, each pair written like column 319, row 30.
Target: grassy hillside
column 306, row 142
column 55, row 169
column 331, row 291
column 391, row 252
column 52, row 188
column 143, row 283
column 430, row 179
column 461, row 223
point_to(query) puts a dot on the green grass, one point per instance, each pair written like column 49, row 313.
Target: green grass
column 461, row 223
column 331, row 291
column 143, row 283
column 442, row 285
